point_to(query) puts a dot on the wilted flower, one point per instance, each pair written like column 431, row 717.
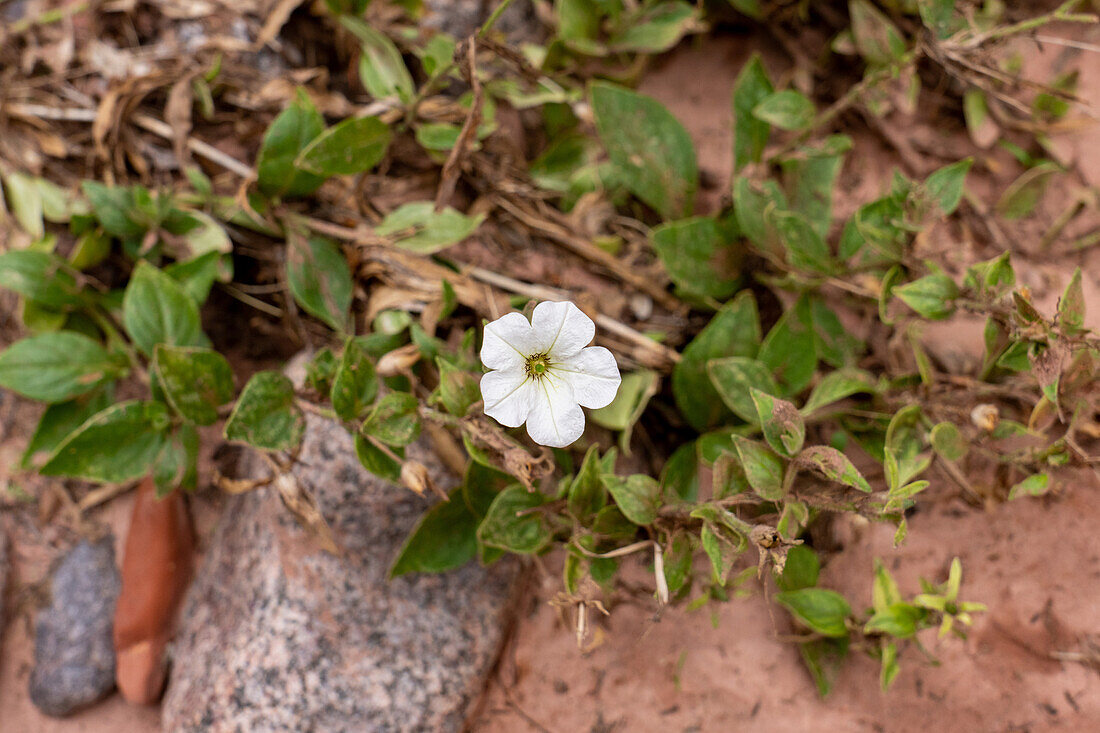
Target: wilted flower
column 544, row 372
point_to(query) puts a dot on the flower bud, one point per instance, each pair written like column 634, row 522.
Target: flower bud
column 986, row 417
column 415, row 477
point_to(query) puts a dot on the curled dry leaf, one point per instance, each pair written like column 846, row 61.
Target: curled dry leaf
column 177, row 113
column 304, row 508
column 509, row 454
column 156, row 569
column 771, row 545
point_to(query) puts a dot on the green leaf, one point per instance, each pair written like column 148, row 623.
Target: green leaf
column 266, row 415
column 91, row 248
column 836, row 386
column 728, row 475
column 157, row 310
column 898, row 620
column 62, row 419
column 624, row 411
column 752, row 203
column 680, row 475
column 39, row 276
column 586, row 492
column 118, row 444
column 655, row 28
column 288, row 135
column 195, row 381
column 25, row 200
column 1034, row 485
column 176, row 467
column 833, row 465
column 823, row 611
column 353, row 146
column 884, row 591
column 578, row 20
column 198, row 274
column 750, row 134
column 734, row 331
column 381, row 68
column 801, row 569
column 983, row 129
column 319, row 278
column 698, row 258
column 115, row 208
column 932, row 296
column 1023, row 194
column 993, row 277
column 514, row 523
column 948, row 441
column 438, row 135
column 750, row 8
column 54, row 367
column 205, row 235
column 354, row 383
column 787, row 110
column 445, row 538
column 763, row 469
column 877, row 39
column 945, row 186
column 790, row 348
column 419, row 228
column 1071, row 306
column 805, row 248
column 58, row 204
column 376, row 460
column 810, row 178
column 735, row 377
column 638, row 497
column 720, row 552
column 782, row 425
column 650, row 147
column 394, row 419
column 890, row 666
column 938, row 16
column 321, row 370
column 458, row 389
column 437, row 54
column 823, row 659
column 677, row 559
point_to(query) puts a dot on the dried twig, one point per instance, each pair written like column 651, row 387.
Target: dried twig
column 150, row 124
column 546, row 293
column 453, row 167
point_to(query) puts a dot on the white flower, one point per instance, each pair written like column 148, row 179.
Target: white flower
column 543, row 372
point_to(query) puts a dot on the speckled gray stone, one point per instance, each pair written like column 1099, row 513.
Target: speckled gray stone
column 74, row 655
column 279, row 636
column 461, row 18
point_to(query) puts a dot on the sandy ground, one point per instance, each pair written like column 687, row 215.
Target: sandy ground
column 724, row 667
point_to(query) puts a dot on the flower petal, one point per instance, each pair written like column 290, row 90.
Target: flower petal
column 562, row 328
column 508, row 341
column 509, row 396
column 556, row 420
column 593, row 375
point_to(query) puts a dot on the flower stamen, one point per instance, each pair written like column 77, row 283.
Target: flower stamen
column 537, row 365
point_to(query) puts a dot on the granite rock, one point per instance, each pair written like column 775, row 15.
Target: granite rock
column 460, row 18
column 74, row 656
column 279, row 636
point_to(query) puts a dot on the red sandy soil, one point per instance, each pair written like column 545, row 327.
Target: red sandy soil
column 725, row 667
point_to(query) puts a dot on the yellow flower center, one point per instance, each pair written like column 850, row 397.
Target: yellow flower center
column 537, row 365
